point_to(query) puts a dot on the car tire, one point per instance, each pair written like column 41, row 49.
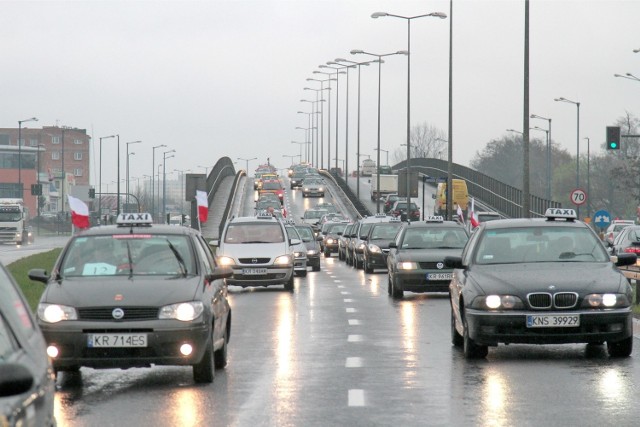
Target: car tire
column 367, row 267
column 327, row 254
column 289, row 285
column 389, row 285
column 470, row 349
column 220, row 355
column 620, row 348
column 204, row 371
column 340, row 257
column 456, row 339
column 317, row 267
column 395, row 292
column 302, row 273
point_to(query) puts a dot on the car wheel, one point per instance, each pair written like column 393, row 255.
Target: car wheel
column 389, row 285
column 367, row 267
column 220, row 355
column 203, row 372
column 289, row 285
column 357, row 264
column 327, row 254
column 395, row 292
column 456, row 339
column 620, row 348
column 472, row 350
column 340, row 256
column 303, row 273
column 317, row 267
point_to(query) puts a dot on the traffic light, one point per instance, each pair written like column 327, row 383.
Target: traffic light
column 613, row 137
column 92, row 193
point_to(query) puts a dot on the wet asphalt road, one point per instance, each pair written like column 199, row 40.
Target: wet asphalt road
column 339, row 351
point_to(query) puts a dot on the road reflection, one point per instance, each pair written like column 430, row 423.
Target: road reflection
column 285, row 383
column 495, row 398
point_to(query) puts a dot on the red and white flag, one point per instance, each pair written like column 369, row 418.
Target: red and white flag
column 203, row 205
column 460, row 215
column 79, row 212
column 472, row 215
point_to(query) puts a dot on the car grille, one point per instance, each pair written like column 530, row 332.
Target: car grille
column 250, row 260
column 545, row 300
column 130, row 313
column 431, row 265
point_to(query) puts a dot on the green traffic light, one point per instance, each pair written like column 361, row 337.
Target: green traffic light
column 613, row 145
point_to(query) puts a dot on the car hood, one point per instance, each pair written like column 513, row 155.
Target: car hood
column 520, row 279
column 140, row 290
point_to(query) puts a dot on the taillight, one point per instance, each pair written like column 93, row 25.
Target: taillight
column 632, row 250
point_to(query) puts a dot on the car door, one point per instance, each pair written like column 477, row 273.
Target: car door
column 216, row 291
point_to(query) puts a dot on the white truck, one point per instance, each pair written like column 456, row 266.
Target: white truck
column 13, row 222
column 388, row 185
column 368, row 167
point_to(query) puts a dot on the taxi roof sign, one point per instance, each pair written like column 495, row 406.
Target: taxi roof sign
column 434, row 218
column 560, row 213
column 136, row 218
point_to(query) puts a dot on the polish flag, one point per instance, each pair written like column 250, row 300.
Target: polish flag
column 79, row 212
column 460, row 214
column 203, row 205
column 472, row 216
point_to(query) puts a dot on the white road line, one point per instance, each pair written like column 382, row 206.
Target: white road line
column 351, row 310
column 340, row 286
column 347, row 300
column 355, row 338
column 345, row 293
column 337, row 281
column 354, row 322
column 353, row 362
column 356, row 397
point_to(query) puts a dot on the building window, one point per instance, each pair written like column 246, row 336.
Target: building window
column 77, row 141
column 77, row 172
column 33, row 142
column 77, row 155
column 55, row 140
column 55, row 155
column 4, row 139
column 21, row 142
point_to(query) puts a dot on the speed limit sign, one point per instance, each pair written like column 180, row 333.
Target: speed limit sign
column 578, row 197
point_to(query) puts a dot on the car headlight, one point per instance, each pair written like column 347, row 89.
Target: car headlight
column 361, row 247
column 407, row 265
column 54, row 313
column 605, row 301
column 374, row 249
column 320, row 189
column 225, row 260
column 330, row 241
column 497, row 302
column 283, row 260
column 184, row 311
column 306, row 188
column 312, row 252
column 300, row 254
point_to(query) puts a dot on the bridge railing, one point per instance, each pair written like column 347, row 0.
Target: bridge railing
column 502, row 197
column 357, row 204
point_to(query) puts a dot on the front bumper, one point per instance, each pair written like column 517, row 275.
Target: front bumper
column 300, row 264
column 491, row 328
column 164, row 338
column 275, row 275
column 416, row 281
column 376, row 259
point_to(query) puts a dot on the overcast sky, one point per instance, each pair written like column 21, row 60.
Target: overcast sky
column 225, row 78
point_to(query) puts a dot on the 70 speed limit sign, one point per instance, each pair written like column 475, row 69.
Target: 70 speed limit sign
column 578, row 197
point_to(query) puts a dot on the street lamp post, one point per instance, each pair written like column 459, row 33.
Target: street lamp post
column 153, row 183
column 100, row 178
column 182, row 190
column 206, row 169
column 315, row 104
column 322, row 89
column 40, row 146
column 548, row 154
column 164, row 182
column 300, row 143
column 127, row 169
column 384, row 151
column 293, row 156
column 247, row 160
column 328, row 114
column 337, row 71
column 628, row 76
column 20, row 122
column 588, row 177
column 380, row 61
column 409, row 19
column 577, row 104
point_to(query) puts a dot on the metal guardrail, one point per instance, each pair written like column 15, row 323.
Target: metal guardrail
column 501, row 197
column 356, row 203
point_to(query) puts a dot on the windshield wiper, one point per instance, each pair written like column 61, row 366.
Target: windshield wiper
column 183, row 266
column 130, row 260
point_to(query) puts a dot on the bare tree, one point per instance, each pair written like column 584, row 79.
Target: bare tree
column 427, row 141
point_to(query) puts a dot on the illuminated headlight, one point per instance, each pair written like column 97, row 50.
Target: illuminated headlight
column 375, row 249
column 184, row 311
column 299, row 254
column 361, row 246
column 54, row 313
column 320, row 189
column 283, row 260
column 407, row 265
column 495, row 302
column 312, row 252
column 606, row 300
column 330, row 241
column 225, row 260
column 306, row 188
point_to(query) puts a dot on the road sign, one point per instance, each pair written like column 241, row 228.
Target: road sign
column 602, row 219
column 578, row 197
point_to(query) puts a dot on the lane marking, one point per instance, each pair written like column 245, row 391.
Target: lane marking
column 345, row 293
column 355, row 338
column 337, row 281
column 350, row 310
column 354, row 322
column 353, row 362
column 356, row 397
column 340, row 286
column 347, row 300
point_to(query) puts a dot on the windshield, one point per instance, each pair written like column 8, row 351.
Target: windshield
column 385, row 231
column 314, row 214
column 128, row 254
column 244, row 233
column 271, row 186
column 306, row 234
column 434, row 238
column 539, row 244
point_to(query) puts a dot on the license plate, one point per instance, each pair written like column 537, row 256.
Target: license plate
column 116, row 340
column 250, row 271
column 439, row 276
column 553, row 320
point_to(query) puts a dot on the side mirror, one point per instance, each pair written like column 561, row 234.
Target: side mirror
column 623, row 259
column 14, row 379
column 393, row 245
column 214, row 243
column 220, row 273
column 38, row 275
column 295, row 241
column 320, row 238
column 453, row 262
